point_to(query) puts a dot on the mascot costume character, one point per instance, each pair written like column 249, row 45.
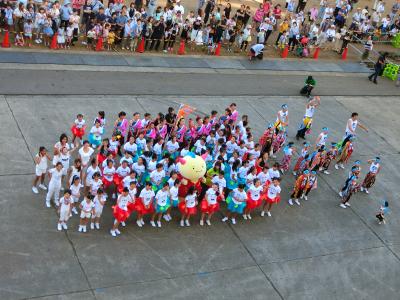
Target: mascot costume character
column 191, row 171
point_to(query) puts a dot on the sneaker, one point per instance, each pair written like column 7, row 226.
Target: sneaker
column 340, row 194
column 294, row 173
column 208, row 222
column 201, row 223
column 245, row 217
column 342, row 166
column 182, row 223
column 305, row 197
column 139, row 223
column 62, row 188
column 84, row 228
column 48, row 204
column 117, row 231
column 35, row 190
column 165, row 217
column 262, row 213
column 282, row 171
column 362, row 189
column 59, row 228
column 297, row 201
column 123, row 224
column 224, row 219
column 64, row 226
column 347, row 204
column 91, row 226
column 43, row 187
column 302, row 196
column 320, row 169
column 269, row 214
column 74, row 210
column 249, row 217
column 290, row 202
column 159, row 223
column 336, row 167
column 342, row 205
column 366, row 190
column 233, row 221
column 326, row 172
column 152, row 223
column 114, row 196
column 113, row 233
column 80, row 229
column 97, row 225
column 187, row 223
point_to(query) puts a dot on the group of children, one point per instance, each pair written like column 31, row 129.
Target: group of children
column 138, row 166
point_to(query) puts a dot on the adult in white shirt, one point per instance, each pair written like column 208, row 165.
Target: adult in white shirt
column 85, row 153
column 55, row 176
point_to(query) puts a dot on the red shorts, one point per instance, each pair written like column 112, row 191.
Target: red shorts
column 273, row 200
column 252, row 204
column 186, row 210
column 131, row 207
column 119, row 214
column 78, row 132
column 106, row 183
column 141, row 209
column 117, row 180
column 207, row 208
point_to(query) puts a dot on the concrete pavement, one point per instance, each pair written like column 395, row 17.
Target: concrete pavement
column 315, row 251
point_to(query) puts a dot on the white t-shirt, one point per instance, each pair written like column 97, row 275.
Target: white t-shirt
column 127, row 181
column 87, row 207
column 141, row 143
column 123, row 171
column 273, row 174
column 156, row 176
column 76, row 190
column 147, row 196
column 173, row 191
column 95, row 185
column 263, row 177
column 220, row 181
column 172, row 147
column 273, row 191
column 238, row 197
column 85, row 156
column 79, row 124
column 162, row 197
column 374, row 168
column 56, row 176
column 113, row 145
column 242, row 173
column 42, row 165
column 108, row 173
column 123, row 201
column 191, row 200
column 255, row 192
column 130, row 147
column 65, row 203
column 211, row 196
column 98, row 206
column 132, row 193
column 353, row 126
column 151, row 166
column 90, row 171
column 96, row 131
column 157, row 148
column 230, row 147
column 139, row 169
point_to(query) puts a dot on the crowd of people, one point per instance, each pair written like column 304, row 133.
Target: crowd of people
column 137, row 167
column 297, row 23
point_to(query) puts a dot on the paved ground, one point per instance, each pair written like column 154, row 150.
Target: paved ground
column 316, row 251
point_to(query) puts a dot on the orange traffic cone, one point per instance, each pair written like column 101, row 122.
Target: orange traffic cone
column 140, row 49
column 99, row 45
column 181, row 50
column 6, row 40
column 53, row 44
column 285, row 52
column 316, row 53
column 344, row 55
column 218, row 49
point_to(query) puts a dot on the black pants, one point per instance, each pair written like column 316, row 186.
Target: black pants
column 64, row 23
column 267, row 34
column 277, row 40
column 155, row 44
column 292, row 42
column 375, row 75
column 301, row 132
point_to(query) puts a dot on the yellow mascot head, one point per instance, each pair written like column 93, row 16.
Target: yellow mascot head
column 192, row 166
